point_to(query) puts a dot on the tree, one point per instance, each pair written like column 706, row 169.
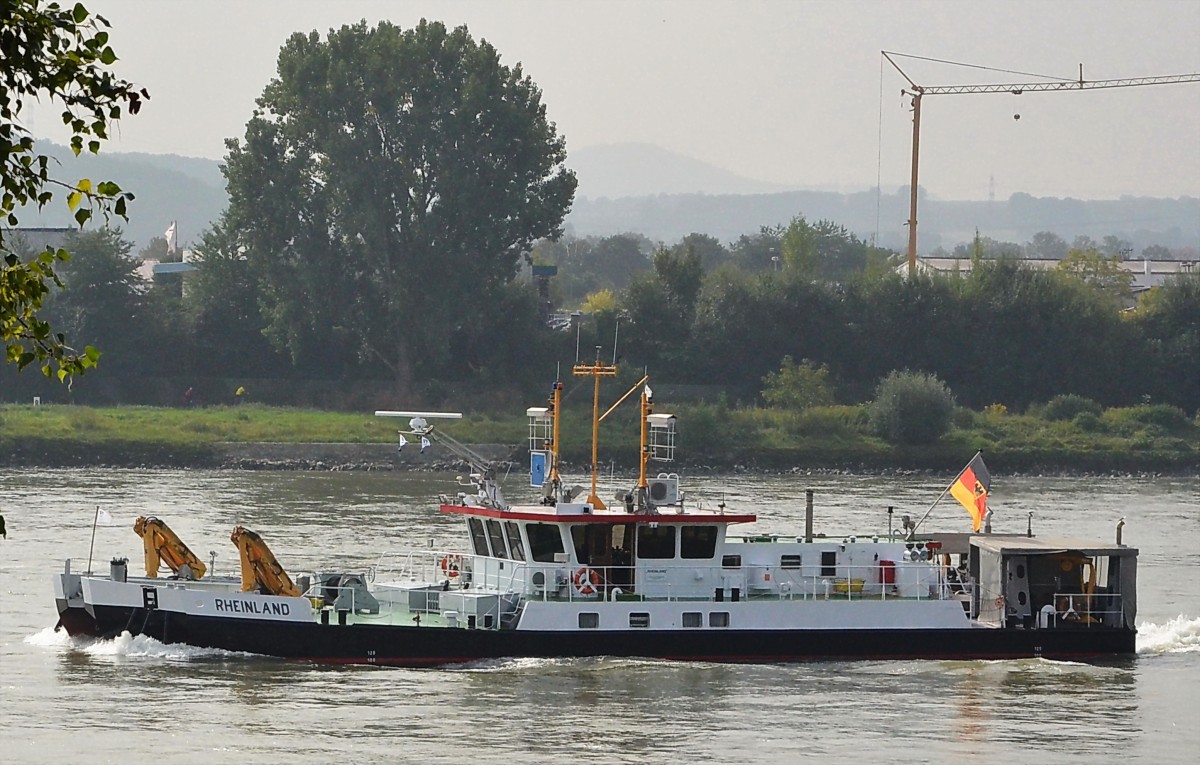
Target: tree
column 103, row 299
column 709, row 250
column 222, row 303
column 1115, row 247
column 386, row 188
column 59, row 55
column 662, row 305
column 986, row 247
column 798, row 386
column 824, row 250
column 1169, row 319
column 1103, row 273
column 760, row 252
column 1048, row 245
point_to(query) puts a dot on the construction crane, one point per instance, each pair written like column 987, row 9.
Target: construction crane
column 916, row 92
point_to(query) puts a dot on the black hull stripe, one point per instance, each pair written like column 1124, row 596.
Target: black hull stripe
column 431, row 646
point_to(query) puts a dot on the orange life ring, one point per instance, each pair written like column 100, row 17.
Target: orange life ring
column 586, row 581
column 451, row 564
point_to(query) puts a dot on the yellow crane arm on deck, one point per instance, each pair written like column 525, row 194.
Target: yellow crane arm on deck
column 163, row 546
column 260, row 570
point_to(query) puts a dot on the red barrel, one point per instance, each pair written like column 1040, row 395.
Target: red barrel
column 887, row 572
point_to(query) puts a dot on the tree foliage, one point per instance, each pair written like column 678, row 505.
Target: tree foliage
column 911, row 408
column 823, row 250
column 798, row 386
column 1101, row 272
column 1168, row 322
column 386, row 188
column 60, row 55
column 103, row 299
column 661, row 306
column 760, row 252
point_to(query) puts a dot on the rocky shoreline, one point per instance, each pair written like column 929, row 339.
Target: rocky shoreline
column 336, row 457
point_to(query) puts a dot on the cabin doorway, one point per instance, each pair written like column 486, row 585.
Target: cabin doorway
column 608, row 548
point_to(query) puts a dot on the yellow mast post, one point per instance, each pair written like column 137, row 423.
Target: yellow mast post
column 647, row 410
column 596, row 371
column 555, row 404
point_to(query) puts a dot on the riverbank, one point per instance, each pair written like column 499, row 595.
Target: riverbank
column 272, row 438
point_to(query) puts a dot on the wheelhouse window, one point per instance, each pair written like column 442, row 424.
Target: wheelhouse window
column 514, row 540
column 545, row 541
column 656, row 543
column 496, row 537
column 478, row 540
column 698, row 542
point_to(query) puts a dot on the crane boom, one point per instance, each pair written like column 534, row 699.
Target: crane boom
column 918, row 91
column 1030, row 87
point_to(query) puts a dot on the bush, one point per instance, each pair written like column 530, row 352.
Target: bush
column 1088, row 422
column 702, row 427
column 1171, row 419
column 824, row 421
column 911, row 408
column 798, row 386
column 1068, row 406
column 965, row 419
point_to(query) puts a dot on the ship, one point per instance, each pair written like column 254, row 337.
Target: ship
column 655, row 575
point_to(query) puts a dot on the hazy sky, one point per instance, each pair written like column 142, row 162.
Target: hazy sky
column 786, row 92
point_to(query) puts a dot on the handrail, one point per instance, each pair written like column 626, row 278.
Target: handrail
column 858, row 582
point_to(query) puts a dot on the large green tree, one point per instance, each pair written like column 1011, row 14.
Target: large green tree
column 387, row 187
column 104, row 299
column 58, row 55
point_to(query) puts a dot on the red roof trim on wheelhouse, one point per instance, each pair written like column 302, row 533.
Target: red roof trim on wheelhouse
column 549, row 516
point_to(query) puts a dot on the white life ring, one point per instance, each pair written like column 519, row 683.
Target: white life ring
column 586, row 581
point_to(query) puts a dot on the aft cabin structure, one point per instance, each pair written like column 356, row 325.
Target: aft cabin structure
column 1053, row 583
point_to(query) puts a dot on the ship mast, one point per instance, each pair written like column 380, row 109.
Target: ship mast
column 595, row 371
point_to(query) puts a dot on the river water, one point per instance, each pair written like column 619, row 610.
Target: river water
column 133, row 700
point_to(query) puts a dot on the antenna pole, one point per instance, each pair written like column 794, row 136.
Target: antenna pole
column 92, row 546
column 578, row 332
column 616, row 334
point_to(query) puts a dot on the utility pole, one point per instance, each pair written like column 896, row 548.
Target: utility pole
column 916, row 92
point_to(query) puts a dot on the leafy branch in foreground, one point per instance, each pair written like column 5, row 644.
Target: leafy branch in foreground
column 60, row 55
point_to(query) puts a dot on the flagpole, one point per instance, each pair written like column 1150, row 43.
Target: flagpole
column 95, row 520
column 945, row 491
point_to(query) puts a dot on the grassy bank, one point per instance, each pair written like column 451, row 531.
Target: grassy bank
column 1133, row 439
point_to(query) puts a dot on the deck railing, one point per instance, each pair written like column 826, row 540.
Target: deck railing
column 565, row 581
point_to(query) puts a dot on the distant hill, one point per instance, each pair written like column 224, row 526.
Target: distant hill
column 641, row 169
column 166, row 187
column 644, row 189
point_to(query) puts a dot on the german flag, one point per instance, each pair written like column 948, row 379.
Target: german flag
column 971, row 488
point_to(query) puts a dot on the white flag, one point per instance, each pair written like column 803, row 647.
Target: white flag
column 424, row 444
column 649, row 393
column 103, row 518
column 403, row 442
column 172, row 238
